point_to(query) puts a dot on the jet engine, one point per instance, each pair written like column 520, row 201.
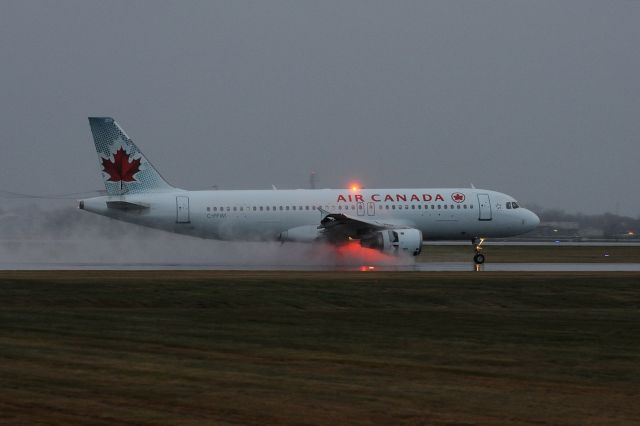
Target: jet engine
column 395, row 241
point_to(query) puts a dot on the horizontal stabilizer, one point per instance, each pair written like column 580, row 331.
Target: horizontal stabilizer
column 126, row 205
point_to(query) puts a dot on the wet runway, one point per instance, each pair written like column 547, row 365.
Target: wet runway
column 422, row 267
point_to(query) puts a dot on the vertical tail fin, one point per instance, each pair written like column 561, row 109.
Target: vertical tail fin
column 125, row 170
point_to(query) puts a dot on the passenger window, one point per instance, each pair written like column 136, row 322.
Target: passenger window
column 393, row 207
column 471, row 206
column 458, row 206
column 215, row 209
column 228, row 208
column 261, row 208
column 465, row 206
column 433, row 206
column 293, row 207
column 235, row 209
column 286, row 207
column 241, row 209
column 254, row 208
column 306, row 207
column 439, row 206
column 446, row 207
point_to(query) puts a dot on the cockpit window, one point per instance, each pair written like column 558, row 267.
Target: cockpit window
column 515, row 205
column 509, row 205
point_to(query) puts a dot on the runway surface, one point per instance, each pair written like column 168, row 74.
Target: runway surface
column 422, row 267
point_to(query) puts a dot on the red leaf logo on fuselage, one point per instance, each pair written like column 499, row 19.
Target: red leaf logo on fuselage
column 122, row 168
column 457, row 197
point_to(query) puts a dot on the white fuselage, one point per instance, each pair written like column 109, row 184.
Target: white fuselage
column 439, row 213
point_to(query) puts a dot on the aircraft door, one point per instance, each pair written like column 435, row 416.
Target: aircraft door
column 360, row 209
column 484, row 207
column 371, row 208
column 182, row 209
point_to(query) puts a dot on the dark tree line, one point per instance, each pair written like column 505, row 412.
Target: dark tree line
column 611, row 224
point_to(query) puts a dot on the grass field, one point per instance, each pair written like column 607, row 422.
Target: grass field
column 536, row 254
column 196, row 348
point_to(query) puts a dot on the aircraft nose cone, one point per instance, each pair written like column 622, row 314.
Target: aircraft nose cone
column 532, row 220
column 536, row 219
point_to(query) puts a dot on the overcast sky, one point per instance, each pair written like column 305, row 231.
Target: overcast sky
column 538, row 99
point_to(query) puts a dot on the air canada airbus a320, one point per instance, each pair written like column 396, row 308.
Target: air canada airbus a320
column 393, row 221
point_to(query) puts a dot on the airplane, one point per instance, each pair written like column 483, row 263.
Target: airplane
column 392, row 221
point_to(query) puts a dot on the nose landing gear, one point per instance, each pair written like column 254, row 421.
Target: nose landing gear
column 478, row 258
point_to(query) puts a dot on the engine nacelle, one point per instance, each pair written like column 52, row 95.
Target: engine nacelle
column 395, row 241
column 301, row 234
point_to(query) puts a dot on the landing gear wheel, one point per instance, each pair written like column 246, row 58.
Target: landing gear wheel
column 477, row 246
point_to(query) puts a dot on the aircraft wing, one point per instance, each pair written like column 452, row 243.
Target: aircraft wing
column 340, row 226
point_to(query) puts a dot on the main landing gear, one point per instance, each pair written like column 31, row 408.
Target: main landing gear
column 478, row 258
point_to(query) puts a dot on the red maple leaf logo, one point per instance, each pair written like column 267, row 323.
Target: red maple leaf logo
column 457, row 197
column 122, row 168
